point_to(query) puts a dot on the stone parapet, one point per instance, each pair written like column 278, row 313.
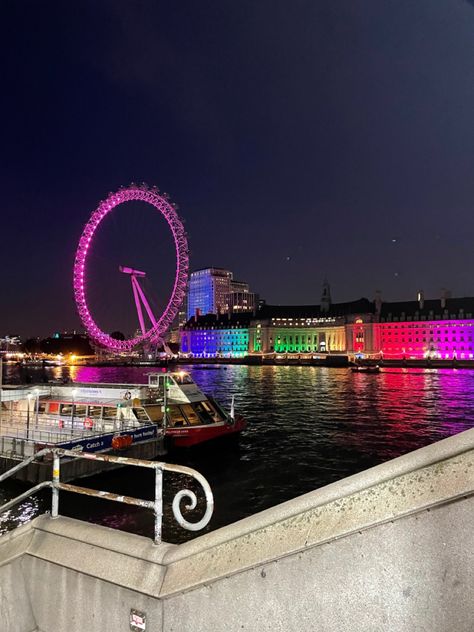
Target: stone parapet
column 389, row 548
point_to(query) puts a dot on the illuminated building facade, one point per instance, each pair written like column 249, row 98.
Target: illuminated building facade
column 310, row 328
column 280, row 329
column 214, row 291
column 238, row 302
column 207, row 291
column 423, row 329
column 210, row 336
column 434, row 329
column 10, row 344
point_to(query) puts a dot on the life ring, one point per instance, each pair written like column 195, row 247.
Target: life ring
column 88, row 423
column 127, row 395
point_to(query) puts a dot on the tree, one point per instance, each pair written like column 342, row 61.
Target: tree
column 117, row 335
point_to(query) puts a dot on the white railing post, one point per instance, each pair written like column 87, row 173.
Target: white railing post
column 55, row 487
column 158, row 507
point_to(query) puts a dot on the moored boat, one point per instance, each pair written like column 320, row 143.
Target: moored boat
column 190, row 417
column 365, row 369
column 99, row 417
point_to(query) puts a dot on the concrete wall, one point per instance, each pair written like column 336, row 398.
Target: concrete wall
column 387, row 549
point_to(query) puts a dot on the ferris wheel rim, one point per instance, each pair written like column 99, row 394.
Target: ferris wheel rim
column 168, row 210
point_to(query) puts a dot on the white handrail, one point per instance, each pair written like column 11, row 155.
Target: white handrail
column 156, row 505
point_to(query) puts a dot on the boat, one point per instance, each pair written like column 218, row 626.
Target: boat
column 365, row 369
column 98, row 416
column 189, row 416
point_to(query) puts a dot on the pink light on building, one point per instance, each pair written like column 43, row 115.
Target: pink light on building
column 444, row 339
column 161, row 324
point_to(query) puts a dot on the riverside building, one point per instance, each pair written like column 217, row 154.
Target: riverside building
column 214, row 291
column 273, row 329
column 342, row 327
column 216, row 336
column 422, row 329
column 431, row 329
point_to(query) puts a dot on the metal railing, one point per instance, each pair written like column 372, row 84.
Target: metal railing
column 53, row 429
column 20, row 421
column 155, row 505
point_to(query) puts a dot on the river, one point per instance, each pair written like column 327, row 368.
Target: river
column 307, row 427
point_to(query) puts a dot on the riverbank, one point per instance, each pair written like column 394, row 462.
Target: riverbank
column 329, row 360
column 367, row 553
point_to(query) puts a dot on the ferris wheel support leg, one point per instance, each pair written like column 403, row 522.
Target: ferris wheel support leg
column 137, row 303
column 146, row 305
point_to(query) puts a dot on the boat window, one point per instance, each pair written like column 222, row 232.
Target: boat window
column 42, row 407
column 192, row 416
column 204, row 412
column 80, row 410
column 182, row 378
column 110, row 412
column 154, row 413
column 214, row 411
column 176, row 417
column 66, row 409
column 140, row 414
column 53, row 408
column 95, row 411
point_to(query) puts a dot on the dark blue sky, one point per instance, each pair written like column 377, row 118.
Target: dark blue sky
column 300, row 139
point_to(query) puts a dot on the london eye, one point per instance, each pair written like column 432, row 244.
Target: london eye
column 151, row 325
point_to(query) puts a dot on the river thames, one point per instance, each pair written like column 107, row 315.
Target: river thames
column 307, row 427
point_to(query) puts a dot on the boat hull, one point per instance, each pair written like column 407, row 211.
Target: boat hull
column 190, row 436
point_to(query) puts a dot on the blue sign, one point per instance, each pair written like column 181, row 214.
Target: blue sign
column 102, row 442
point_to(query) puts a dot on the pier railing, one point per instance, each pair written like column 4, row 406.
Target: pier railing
column 26, row 425
column 155, row 505
column 20, row 436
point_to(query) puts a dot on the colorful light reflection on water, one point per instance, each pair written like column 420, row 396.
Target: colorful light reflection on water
column 308, row 426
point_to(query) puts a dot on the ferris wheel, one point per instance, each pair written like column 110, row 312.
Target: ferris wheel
column 152, row 329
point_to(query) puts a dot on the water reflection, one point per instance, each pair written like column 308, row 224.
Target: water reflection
column 308, row 426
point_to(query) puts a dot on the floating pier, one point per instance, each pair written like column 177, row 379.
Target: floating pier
column 26, row 429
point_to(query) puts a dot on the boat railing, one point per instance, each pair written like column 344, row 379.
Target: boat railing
column 155, row 505
column 25, row 425
column 20, row 435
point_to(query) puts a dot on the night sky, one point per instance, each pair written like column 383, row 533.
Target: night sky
column 300, row 139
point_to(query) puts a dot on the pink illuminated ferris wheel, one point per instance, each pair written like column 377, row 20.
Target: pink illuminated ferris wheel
column 153, row 329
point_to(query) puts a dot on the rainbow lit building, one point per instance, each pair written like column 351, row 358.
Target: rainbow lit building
column 216, row 336
column 423, row 329
column 432, row 329
column 334, row 328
